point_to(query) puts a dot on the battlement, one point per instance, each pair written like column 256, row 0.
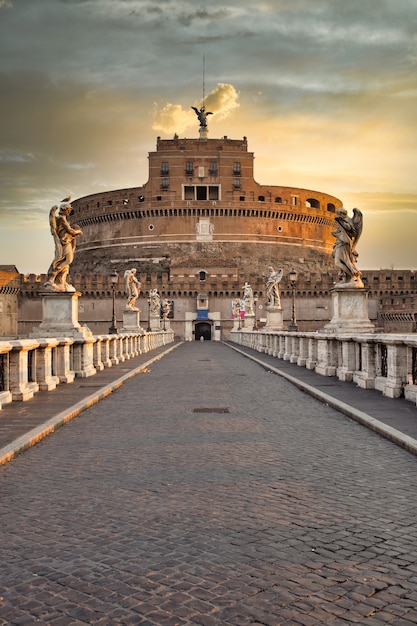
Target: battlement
column 189, row 281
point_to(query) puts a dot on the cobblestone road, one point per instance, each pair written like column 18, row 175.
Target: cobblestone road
column 209, row 491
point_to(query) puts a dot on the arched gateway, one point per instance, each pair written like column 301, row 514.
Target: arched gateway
column 203, row 330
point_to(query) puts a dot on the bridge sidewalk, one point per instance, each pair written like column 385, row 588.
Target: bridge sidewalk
column 395, row 419
column 23, row 424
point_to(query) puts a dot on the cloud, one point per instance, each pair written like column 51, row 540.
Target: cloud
column 202, row 15
column 65, row 138
column 172, row 118
column 390, row 223
column 221, row 101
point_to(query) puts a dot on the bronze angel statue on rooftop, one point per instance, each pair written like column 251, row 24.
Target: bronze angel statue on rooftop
column 202, row 115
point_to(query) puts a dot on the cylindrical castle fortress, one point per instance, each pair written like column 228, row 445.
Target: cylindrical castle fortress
column 202, row 207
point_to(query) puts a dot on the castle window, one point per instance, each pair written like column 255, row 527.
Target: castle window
column 331, row 207
column 278, row 200
column 242, row 199
column 164, row 168
column 261, row 198
column 236, row 183
column 188, row 193
column 201, row 192
column 202, row 275
column 236, row 168
column 213, row 192
column 312, row 203
column 159, row 198
column 213, row 168
column 109, row 202
column 189, row 168
column 294, row 200
column 164, row 184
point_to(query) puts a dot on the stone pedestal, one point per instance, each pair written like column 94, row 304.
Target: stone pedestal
column 60, row 316
column 155, row 322
column 350, row 311
column 236, row 321
column 203, row 132
column 274, row 318
column 131, row 322
column 60, row 319
column 249, row 321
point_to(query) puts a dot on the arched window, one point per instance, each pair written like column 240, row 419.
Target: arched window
column 331, row 207
column 312, row 203
column 278, row 200
column 261, row 198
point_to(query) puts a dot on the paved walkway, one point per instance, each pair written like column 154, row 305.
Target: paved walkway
column 395, row 419
column 207, row 490
column 24, row 424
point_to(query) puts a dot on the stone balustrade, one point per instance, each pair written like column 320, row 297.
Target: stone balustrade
column 31, row 365
column 386, row 362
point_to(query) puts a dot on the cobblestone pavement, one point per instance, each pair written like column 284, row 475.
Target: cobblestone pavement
column 209, row 491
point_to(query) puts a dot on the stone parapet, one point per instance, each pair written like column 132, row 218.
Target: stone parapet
column 380, row 361
column 40, row 364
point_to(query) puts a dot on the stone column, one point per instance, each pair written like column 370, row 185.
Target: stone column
column 22, row 386
column 365, row 377
column 348, row 366
column 5, row 395
column 303, row 351
column 45, row 377
column 326, row 356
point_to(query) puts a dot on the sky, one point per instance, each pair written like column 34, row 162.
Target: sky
column 324, row 90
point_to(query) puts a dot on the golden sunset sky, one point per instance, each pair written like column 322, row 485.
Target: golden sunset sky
column 324, row 90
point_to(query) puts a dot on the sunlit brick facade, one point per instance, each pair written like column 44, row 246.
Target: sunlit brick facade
column 202, row 207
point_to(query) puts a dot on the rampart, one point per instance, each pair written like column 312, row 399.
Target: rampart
column 391, row 296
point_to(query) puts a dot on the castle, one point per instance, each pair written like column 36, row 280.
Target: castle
column 197, row 230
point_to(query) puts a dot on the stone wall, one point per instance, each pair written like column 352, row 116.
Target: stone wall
column 387, row 289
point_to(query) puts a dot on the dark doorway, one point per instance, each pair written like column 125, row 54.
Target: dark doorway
column 203, row 329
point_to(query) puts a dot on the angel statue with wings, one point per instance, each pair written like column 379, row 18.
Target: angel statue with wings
column 272, row 290
column 344, row 249
column 65, row 238
column 202, row 115
column 132, row 287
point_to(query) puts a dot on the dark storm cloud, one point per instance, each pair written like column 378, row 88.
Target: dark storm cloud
column 202, row 15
